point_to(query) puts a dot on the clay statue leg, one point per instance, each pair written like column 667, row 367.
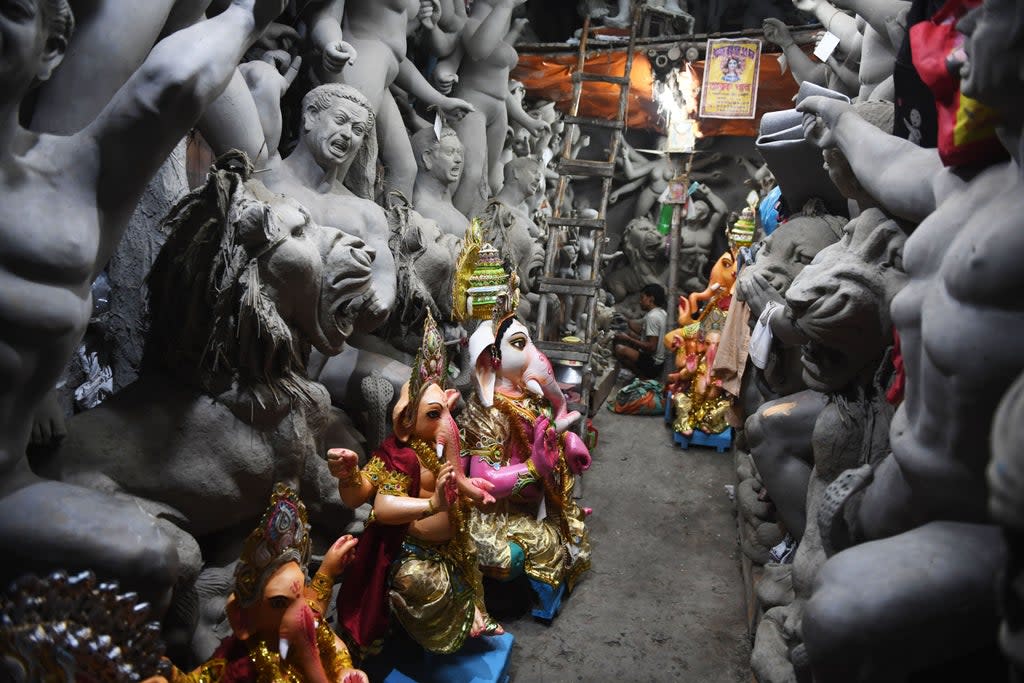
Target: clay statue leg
column 884, row 609
column 49, row 525
column 497, row 127
column 395, row 148
column 645, row 202
column 472, row 130
column 779, row 436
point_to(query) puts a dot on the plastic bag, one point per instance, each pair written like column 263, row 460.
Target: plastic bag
column 639, row 397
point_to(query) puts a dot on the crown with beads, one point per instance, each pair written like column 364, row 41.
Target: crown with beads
column 281, row 537
column 431, row 366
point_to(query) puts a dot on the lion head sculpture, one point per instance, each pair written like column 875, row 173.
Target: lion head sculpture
column 841, row 302
column 246, row 283
column 646, row 261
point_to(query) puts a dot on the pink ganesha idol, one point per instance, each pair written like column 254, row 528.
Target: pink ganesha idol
column 515, row 433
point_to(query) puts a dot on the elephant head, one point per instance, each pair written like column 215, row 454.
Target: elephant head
column 506, row 357
column 270, row 604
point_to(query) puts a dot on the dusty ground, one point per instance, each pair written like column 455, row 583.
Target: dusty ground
column 663, row 601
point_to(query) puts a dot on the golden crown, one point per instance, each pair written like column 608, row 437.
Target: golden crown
column 431, row 366
column 281, row 537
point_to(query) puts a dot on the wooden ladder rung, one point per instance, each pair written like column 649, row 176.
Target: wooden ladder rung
column 596, row 123
column 585, row 77
column 585, row 223
column 564, row 351
column 564, row 285
column 585, row 168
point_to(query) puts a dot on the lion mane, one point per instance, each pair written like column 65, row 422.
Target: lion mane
column 211, row 322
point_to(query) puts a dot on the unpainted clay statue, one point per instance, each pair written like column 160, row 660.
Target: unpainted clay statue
column 483, row 61
column 416, row 559
column 841, row 304
column 781, row 257
column 696, row 235
column 778, row 429
column 223, row 408
column 1004, row 480
column 954, row 319
column 426, row 264
column 516, row 433
column 508, row 227
column 832, row 74
column 110, row 41
column 650, row 177
column 876, row 35
column 279, row 629
column 439, row 163
column 376, row 31
column 645, row 260
column 66, row 202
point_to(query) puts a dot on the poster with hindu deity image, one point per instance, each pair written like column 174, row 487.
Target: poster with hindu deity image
column 729, row 88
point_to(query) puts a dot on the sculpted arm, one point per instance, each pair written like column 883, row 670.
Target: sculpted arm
column 802, row 67
column 896, row 172
column 879, row 14
column 482, row 38
column 837, row 22
column 399, row 509
column 160, row 102
column 325, row 26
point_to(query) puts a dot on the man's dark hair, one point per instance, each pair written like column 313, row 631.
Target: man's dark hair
column 657, row 292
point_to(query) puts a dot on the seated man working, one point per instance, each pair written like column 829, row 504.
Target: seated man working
column 645, row 355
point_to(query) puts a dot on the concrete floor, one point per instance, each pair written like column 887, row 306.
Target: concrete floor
column 663, row 601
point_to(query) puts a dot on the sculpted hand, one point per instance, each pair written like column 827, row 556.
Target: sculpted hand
column 338, row 556
column 341, row 462
column 545, row 446
column 757, row 292
column 338, row 54
column 430, row 11
column 577, row 455
column 775, row 31
column 476, row 489
column 613, row 197
column 354, row 676
column 456, row 108
column 278, row 37
column 445, row 481
column 821, row 114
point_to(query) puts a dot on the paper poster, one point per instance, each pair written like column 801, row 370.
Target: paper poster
column 729, row 89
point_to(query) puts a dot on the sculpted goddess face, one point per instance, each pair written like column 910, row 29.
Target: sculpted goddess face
column 335, row 134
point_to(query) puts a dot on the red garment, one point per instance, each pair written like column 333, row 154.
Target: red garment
column 966, row 134
column 899, row 381
column 363, row 599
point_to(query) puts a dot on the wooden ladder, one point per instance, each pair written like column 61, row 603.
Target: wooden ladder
column 569, row 168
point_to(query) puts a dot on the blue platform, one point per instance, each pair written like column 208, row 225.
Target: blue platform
column 481, row 660
column 720, row 442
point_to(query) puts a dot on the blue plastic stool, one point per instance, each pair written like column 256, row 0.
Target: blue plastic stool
column 720, row 442
column 550, row 599
column 481, row 660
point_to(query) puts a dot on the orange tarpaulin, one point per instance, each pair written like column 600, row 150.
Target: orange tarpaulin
column 549, row 77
